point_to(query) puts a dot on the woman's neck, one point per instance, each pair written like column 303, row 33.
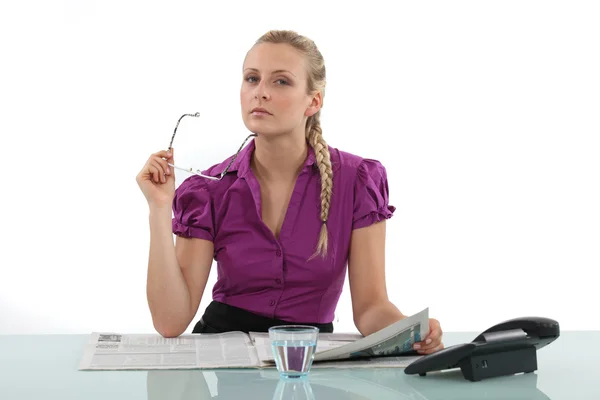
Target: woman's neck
column 278, row 158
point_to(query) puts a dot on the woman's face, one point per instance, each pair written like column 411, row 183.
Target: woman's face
column 275, row 80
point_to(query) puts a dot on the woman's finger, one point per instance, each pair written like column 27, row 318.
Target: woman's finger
column 161, row 172
column 162, row 154
column 432, row 350
column 164, row 164
column 155, row 173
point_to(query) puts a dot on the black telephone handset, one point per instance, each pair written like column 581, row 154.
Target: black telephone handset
column 507, row 348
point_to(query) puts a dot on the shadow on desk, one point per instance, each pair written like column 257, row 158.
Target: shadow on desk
column 350, row 384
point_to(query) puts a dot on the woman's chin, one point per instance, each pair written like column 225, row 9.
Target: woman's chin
column 261, row 129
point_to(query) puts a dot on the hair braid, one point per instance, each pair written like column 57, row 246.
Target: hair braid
column 315, row 139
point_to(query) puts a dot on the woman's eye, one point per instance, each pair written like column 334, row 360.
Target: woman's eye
column 254, row 79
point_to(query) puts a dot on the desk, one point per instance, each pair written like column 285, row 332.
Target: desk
column 46, row 367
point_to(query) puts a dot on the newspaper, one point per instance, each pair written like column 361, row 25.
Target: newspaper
column 110, row 351
column 394, row 340
column 265, row 355
column 115, row 351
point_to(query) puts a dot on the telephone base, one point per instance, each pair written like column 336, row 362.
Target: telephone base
column 509, row 362
column 501, row 363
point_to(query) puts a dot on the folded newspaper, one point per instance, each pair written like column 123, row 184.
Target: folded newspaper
column 389, row 347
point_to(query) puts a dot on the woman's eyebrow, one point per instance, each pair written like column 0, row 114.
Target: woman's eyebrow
column 274, row 72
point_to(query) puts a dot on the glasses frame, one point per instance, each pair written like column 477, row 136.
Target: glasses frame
column 197, row 172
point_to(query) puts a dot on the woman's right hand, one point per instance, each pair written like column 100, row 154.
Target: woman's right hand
column 157, row 179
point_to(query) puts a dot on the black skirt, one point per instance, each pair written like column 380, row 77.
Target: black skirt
column 219, row 317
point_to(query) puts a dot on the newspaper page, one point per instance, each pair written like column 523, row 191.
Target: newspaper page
column 395, row 339
column 265, row 355
column 112, row 351
column 338, row 337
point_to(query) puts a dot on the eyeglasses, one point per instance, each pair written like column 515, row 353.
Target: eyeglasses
column 197, row 172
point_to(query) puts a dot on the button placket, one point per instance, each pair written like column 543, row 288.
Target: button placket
column 278, row 281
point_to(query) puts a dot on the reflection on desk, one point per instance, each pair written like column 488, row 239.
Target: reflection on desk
column 343, row 385
column 45, row 367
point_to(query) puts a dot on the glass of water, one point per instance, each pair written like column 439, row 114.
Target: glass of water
column 293, row 349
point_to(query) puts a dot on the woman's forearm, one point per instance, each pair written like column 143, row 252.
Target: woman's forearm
column 168, row 294
column 377, row 317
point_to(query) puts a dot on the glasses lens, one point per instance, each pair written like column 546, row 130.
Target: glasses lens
column 187, row 147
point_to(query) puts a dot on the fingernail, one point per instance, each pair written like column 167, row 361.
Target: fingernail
column 169, row 153
column 417, row 346
column 428, row 341
column 168, row 170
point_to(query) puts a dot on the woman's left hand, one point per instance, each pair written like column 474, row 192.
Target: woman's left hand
column 433, row 341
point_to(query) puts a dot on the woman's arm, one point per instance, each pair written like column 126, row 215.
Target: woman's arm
column 371, row 307
column 177, row 275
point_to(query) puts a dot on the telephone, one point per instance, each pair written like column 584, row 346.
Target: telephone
column 507, row 348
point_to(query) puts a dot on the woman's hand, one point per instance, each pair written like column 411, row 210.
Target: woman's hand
column 157, row 179
column 433, row 341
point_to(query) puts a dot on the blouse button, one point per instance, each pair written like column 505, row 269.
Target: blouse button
column 278, row 252
column 272, row 302
column 278, row 281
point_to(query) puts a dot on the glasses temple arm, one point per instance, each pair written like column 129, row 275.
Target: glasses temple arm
column 176, row 126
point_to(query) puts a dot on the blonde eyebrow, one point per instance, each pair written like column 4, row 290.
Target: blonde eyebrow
column 274, row 72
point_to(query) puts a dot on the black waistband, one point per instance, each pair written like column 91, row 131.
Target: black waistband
column 221, row 317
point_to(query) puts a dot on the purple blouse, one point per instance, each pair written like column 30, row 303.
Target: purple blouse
column 271, row 277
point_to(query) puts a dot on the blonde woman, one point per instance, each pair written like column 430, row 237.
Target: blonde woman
column 284, row 224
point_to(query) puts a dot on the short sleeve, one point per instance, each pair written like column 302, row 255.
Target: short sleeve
column 371, row 195
column 192, row 210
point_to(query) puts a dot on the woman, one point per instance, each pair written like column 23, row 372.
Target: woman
column 283, row 223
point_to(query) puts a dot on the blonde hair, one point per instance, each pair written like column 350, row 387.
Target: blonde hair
column 314, row 134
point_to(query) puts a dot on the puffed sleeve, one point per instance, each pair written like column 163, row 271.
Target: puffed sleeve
column 371, row 195
column 192, row 210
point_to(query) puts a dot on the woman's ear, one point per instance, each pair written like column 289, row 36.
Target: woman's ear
column 315, row 105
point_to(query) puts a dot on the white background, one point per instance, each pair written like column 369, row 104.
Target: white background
column 485, row 114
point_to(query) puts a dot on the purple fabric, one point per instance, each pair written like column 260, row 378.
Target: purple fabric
column 271, row 277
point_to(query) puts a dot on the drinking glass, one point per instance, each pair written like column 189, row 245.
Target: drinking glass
column 293, row 349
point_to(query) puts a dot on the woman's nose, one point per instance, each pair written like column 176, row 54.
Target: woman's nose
column 261, row 92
